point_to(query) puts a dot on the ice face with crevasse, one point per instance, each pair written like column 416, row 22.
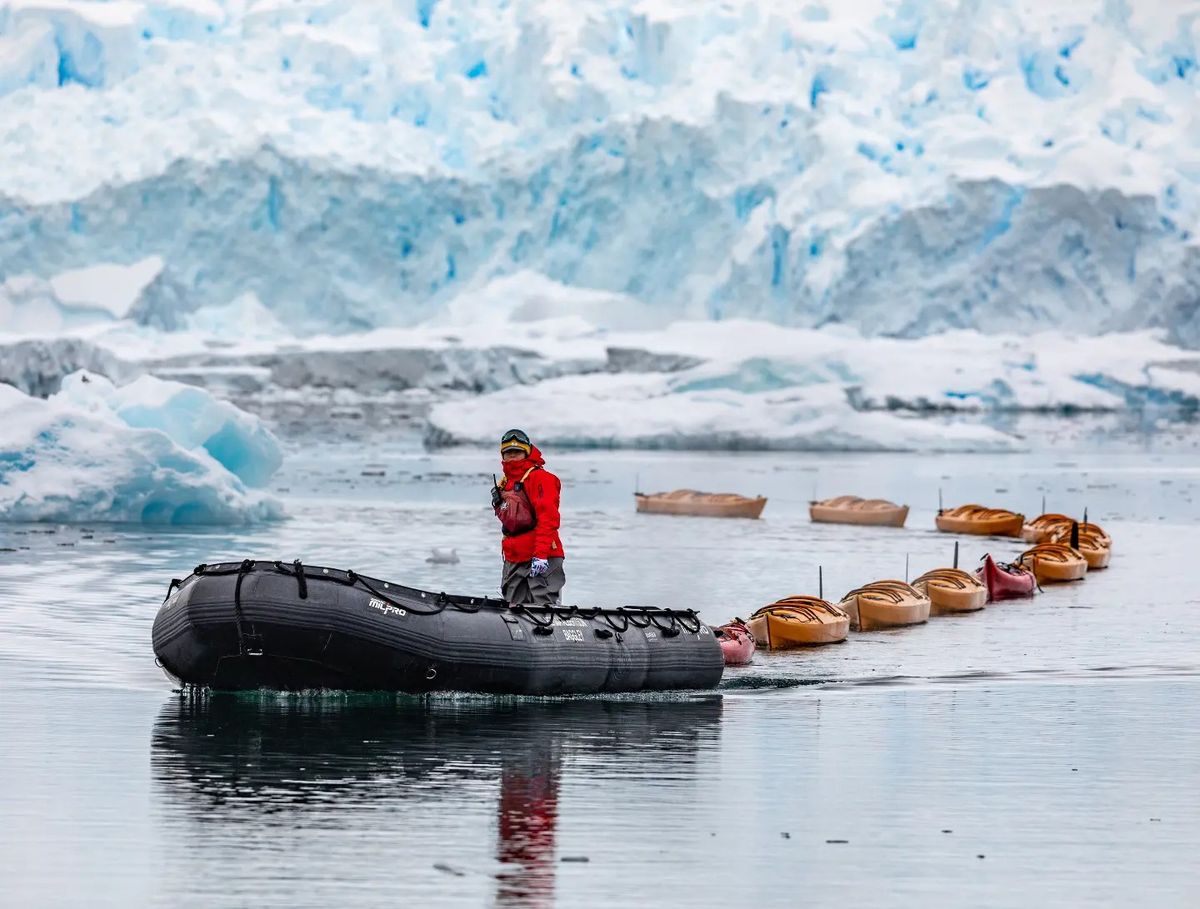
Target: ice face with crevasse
column 901, row 166
column 152, row 451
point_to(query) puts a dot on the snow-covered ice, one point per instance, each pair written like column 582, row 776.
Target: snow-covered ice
column 622, row 411
column 900, row 166
column 154, row 452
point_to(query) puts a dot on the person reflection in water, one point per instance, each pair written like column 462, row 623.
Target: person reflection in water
column 528, row 816
column 526, row 502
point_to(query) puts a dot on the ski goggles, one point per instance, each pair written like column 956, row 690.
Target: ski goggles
column 515, row 439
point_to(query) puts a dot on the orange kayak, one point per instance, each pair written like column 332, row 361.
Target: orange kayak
column 951, row 591
column 853, row 510
column 1039, row 529
column 700, row 504
column 1054, row 563
column 1047, row 527
column 885, row 604
column 798, row 621
column 976, row 519
column 1094, row 545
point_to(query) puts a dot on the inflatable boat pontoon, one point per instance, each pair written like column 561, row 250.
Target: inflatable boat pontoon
column 255, row 624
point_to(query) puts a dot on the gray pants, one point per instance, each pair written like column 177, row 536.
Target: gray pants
column 519, row 589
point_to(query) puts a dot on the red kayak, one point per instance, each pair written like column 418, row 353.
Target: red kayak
column 737, row 643
column 1004, row 581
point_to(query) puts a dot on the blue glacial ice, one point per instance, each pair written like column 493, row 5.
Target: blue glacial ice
column 900, row 166
column 152, row 451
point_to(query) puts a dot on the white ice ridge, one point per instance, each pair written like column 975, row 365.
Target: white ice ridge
column 743, row 384
column 153, row 452
column 901, row 166
column 655, row 411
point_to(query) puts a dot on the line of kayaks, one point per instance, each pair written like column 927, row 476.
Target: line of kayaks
column 1064, row 550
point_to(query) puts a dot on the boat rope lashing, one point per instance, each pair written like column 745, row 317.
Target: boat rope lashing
column 631, row 611
column 691, row 616
column 301, row 583
column 528, row 611
column 669, row 630
column 622, row 615
column 245, row 568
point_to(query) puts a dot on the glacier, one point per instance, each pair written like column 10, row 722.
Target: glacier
column 152, row 451
column 902, row 167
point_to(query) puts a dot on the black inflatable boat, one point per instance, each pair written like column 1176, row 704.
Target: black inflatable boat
column 246, row 625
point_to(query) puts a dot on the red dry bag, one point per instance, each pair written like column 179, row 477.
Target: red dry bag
column 514, row 509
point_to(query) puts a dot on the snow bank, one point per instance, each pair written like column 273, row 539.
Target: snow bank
column 902, row 166
column 955, row 371
column 745, row 384
column 658, row 412
column 152, row 452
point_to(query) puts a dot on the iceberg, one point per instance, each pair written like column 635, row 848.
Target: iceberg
column 153, row 452
column 903, row 167
column 651, row 412
column 745, row 384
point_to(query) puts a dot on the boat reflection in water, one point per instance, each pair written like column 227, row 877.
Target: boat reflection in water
column 279, row 762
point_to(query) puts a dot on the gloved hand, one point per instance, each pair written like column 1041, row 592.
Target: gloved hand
column 538, row 567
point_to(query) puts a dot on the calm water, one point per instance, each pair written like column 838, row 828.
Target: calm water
column 1038, row 752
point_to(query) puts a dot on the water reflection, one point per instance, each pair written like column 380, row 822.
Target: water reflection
column 273, row 761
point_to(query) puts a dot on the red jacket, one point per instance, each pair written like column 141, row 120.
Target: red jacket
column 543, row 488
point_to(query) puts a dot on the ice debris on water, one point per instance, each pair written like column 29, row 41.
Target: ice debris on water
column 154, row 452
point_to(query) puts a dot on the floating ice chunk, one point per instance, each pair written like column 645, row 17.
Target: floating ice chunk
column 244, row 318
column 111, row 288
column 74, row 298
column 61, row 462
column 649, row 412
column 189, row 416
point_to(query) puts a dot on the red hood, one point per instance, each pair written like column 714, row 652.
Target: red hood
column 515, row 469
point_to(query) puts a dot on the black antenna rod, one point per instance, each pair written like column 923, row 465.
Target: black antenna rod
column 906, row 568
column 820, row 583
column 956, row 553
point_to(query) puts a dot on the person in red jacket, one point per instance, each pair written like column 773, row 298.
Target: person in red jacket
column 526, row 502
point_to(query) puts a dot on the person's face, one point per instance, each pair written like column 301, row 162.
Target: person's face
column 512, row 454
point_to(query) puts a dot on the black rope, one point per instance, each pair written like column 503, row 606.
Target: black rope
column 246, row 566
column 619, row 619
column 668, row 628
column 301, row 583
column 519, row 608
column 621, row 614
column 629, row 617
